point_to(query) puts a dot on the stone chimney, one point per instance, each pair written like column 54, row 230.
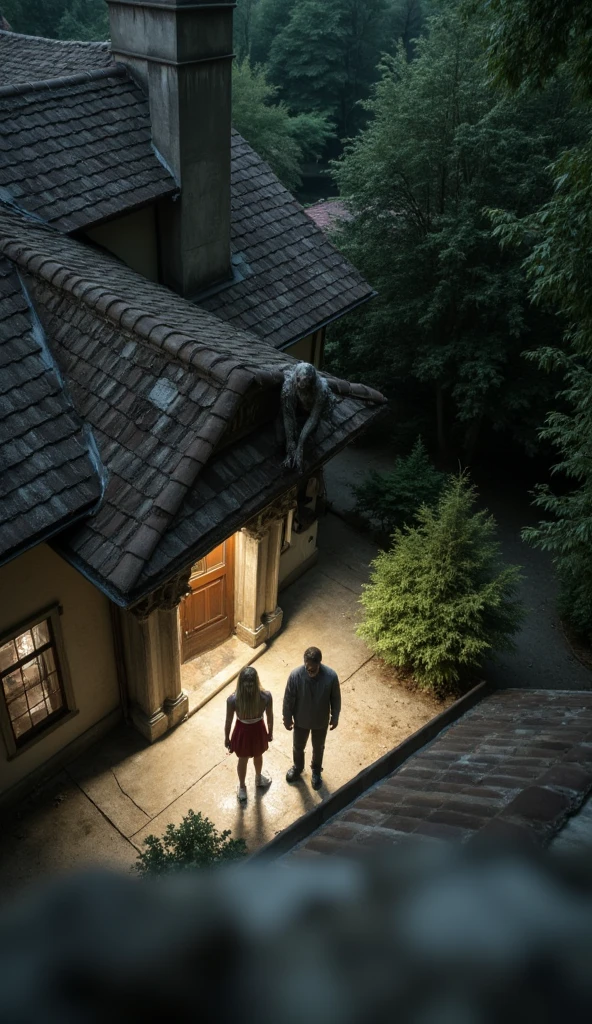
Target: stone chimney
column 182, row 54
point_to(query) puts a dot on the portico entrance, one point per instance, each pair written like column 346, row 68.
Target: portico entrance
column 210, row 607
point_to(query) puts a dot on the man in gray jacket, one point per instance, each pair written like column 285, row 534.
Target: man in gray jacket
column 312, row 703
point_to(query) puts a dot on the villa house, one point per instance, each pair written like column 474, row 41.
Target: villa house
column 156, row 284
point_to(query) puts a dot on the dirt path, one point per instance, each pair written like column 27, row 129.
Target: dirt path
column 542, row 659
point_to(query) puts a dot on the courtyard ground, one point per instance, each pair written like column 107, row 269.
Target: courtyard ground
column 102, row 805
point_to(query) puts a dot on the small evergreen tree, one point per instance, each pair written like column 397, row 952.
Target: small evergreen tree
column 394, row 498
column 441, row 600
column 195, row 843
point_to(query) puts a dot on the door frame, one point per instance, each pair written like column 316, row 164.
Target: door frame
column 201, row 580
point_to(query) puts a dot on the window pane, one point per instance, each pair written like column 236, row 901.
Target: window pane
column 55, row 700
column 17, row 708
column 39, row 713
column 13, row 684
column 21, row 726
column 31, row 673
column 32, row 692
column 24, row 644
column 40, row 634
column 8, row 655
column 52, row 683
column 47, row 662
column 35, row 696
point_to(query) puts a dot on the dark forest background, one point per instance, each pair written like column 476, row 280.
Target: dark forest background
column 457, row 133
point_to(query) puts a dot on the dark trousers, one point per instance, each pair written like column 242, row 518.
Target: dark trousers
column 318, row 747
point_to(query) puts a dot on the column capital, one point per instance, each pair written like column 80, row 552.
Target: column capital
column 260, row 524
column 166, row 597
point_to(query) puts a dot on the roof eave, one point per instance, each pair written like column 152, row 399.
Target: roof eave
column 325, row 323
column 45, row 536
column 131, row 208
column 229, row 526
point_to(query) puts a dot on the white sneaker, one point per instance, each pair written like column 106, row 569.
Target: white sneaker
column 262, row 781
column 241, row 793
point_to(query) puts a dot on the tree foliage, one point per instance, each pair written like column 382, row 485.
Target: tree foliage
column 529, row 41
column 394, row 498
column 440, row 600
column 453, row 315
column 195, row 843
column 283, row 139
column 324, row 56
column 59, row 19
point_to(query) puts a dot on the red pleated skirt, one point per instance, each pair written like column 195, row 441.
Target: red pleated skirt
column 249, row 740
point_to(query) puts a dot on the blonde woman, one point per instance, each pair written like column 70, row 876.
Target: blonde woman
column 250, row 738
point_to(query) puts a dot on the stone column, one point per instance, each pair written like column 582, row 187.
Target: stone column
column 150, row 636
column 273, row 614
column 176, row 701
column 251, row 586
column 258, row 615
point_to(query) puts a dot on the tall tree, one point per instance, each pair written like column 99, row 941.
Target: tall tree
column 285, row 140
column 58, row 19
column 245, row 15
column 531, row 42
column 325, row 58
column 271, row 17
column 453, row 315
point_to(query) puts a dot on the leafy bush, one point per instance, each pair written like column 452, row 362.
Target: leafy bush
column 394, row 498
column 285, row 140
column 440, row 600
column 567, row 532
column 195, row 843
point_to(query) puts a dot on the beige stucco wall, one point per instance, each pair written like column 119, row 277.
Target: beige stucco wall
column 302, row 547
column 133, row 239
column 28, row 585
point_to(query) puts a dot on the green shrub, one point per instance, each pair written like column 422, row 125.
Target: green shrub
column 440, row 599
column 195, row 843
column 394, row 498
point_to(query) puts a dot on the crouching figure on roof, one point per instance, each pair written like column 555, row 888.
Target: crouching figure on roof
column 306, row 396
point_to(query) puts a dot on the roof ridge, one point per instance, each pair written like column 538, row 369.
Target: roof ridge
column 91, row 43
column 212, row 365
column 110, row 306
column 115, row 71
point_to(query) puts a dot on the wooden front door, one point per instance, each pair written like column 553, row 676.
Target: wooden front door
column 207, row 614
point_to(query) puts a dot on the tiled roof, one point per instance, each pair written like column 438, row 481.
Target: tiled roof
column 48, row 476
column 25, row 59
column 295, row 280
column 327, row 213
column 513, row 768
column 77, row 150
column 158, row 380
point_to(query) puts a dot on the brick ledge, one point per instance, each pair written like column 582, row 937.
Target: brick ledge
column 368, row 777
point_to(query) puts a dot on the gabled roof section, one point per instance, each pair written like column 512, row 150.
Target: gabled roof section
column 294, row 279
column 77, row 150
column 158, row 380
column 48, row 467
column 26, row 59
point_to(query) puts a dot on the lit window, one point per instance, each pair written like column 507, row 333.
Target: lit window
column 31, row 678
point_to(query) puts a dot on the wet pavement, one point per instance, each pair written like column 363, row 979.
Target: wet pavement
column 102, row 805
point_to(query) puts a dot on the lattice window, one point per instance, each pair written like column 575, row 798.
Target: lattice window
column 31, row 679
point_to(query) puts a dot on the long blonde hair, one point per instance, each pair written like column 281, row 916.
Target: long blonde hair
column 248, row 694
